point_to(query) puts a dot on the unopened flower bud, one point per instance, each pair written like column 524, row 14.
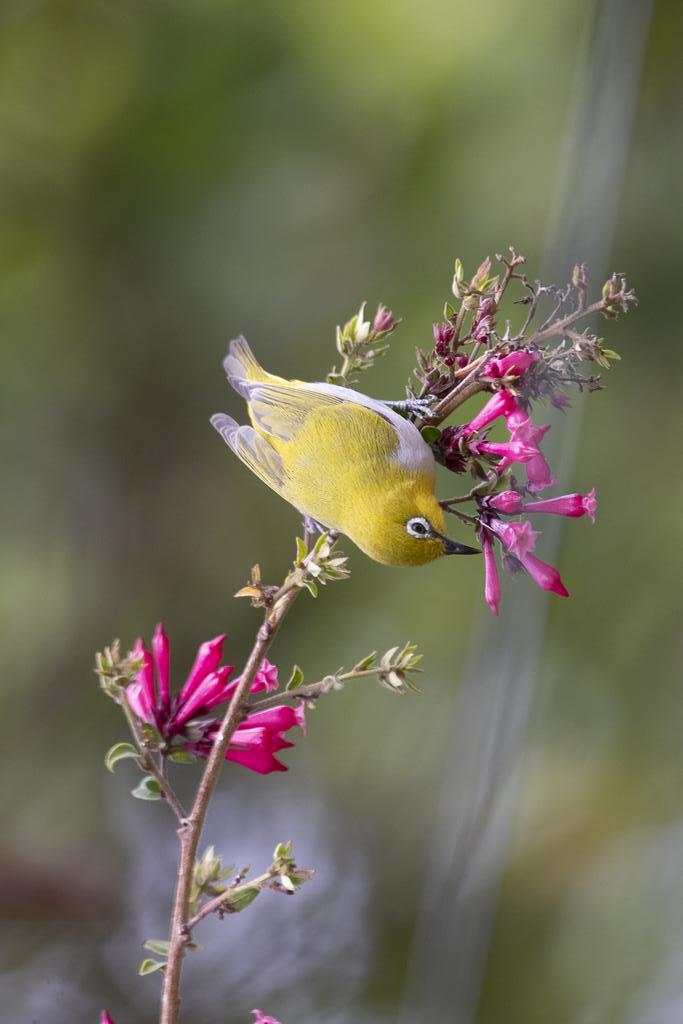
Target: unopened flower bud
column 384, row 321
column 444, row 333
column 458, row 280
column 482, row 275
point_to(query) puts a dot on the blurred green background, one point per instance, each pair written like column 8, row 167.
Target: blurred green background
column 171, row 175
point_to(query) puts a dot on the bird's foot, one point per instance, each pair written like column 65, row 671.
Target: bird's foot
column 312, row 526
column 418, row 408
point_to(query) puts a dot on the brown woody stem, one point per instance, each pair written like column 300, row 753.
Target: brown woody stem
column 190, row 830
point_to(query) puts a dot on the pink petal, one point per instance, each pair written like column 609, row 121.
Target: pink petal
column 507, row 501
column 138, row 703
column 511, row 451
column 262, row 1019
column 106, row 1019
column 502, row 403
column 545, row 576
column 260, row 737
column 512, row 365
column 261, row 761
column 572, row 505
column 538, row 473
column 209, row 692
column 266, row 677
column 492, row 581
column 162, row 657
column 207, row 660
column 519, row 538
column 280, row 718
column 146, row 678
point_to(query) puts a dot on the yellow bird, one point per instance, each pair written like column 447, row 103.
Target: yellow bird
column 349, row 462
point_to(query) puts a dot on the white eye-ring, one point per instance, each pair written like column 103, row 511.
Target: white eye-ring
column 419, row 527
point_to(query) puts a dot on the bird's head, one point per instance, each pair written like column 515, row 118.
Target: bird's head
column 409, row 529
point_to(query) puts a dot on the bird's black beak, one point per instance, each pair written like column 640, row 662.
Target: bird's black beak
column 452, row 547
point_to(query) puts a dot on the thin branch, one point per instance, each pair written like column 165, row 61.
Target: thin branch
column 560, row 326
column 311, row 691
column 216, row 903
column 190, row 831
column 148, row 763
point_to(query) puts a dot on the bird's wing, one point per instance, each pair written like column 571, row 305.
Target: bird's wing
column 282, row 409
column 254, row 450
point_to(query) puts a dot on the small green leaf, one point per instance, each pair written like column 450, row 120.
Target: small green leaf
column 301, row 550
column 322, row 541
column 366, row 662
column 159, row 946
column 147, row 789
column 431, row 434
column 282, row 850
column 242, row 898
column 611, row 354
column 149, row 966
column 182, row 757
column 117, row 753
column 296, row 678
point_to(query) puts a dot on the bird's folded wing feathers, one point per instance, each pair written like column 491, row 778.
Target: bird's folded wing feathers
column 281, row 410
column 252, row 449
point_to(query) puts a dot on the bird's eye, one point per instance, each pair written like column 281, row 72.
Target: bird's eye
column 418, row 527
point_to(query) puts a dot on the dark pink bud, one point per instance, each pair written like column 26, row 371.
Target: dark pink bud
column 105, row 1018
column 461, row 361
column 161, row 651
column 444, row 333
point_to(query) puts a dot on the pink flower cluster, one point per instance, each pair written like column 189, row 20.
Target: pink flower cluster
column 188, row 721
column 517, row 539
column 262, row 1019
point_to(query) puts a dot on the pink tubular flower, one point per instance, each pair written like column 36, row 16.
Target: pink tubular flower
column 512, row 365
column 507, row 501
column 262, row 1019
column 573, row 505
column 520, row 541
column 105, row 1018
column 502, row 403
column 185, row 721
column 492, row 581
column 538, row 472
column 510, row 451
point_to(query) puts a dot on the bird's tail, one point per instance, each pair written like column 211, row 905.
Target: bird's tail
column 241, row 366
